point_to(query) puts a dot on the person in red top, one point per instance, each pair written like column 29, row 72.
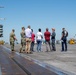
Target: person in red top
column 47, row 35
column 33, row 40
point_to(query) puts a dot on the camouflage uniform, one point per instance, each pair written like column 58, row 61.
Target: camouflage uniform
column 12, row 39
column 22, row 40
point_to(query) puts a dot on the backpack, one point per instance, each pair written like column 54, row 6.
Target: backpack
column 66, row 34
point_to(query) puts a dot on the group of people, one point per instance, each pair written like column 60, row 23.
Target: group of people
column 28, row 39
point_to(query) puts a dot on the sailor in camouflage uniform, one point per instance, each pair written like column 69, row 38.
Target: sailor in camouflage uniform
column 22, row 34
column 12, row 39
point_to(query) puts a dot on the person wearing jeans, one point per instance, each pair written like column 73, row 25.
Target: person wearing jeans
column 64, row 39
column 39, row 38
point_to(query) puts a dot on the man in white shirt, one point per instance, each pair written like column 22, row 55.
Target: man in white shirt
column 39, row 38
column 28, row 33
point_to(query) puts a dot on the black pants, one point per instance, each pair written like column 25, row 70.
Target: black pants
column 32, row 46
column 64, row 45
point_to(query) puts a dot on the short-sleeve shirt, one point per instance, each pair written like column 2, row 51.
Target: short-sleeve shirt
column 53, row 35
column 39, row 36
column 47, row 35
column 33, row 37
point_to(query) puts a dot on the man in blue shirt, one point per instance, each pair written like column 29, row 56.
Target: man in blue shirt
column 53, row 39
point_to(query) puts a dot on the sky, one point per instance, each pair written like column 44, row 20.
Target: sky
column 42, row 14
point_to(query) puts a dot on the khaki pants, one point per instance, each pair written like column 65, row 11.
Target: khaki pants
column 28, row 45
